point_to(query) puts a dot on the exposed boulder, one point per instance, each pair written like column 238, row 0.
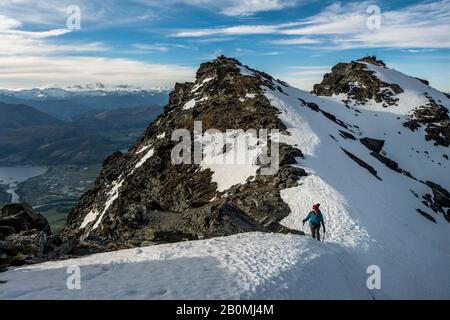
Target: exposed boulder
column 21, row 217
column 25, row 236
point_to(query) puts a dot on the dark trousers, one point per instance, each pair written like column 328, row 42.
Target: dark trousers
column 315, row 232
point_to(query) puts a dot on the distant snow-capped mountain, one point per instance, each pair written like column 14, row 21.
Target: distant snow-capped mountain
column 67, row 103
column 91, row 89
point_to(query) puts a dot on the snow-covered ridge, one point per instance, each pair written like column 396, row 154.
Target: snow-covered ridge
column 416, row 93
column 377, row 220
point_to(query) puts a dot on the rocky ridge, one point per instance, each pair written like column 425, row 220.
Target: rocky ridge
column 141, row 198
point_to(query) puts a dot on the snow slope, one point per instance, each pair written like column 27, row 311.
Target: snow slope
column 370, row 221
column 244, row 266
column 374, row 221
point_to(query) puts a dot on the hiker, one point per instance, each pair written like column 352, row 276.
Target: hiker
column 315, row 218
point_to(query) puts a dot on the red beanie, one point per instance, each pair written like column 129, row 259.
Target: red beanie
column 316, row 206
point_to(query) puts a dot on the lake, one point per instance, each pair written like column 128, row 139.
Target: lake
column 12, row 176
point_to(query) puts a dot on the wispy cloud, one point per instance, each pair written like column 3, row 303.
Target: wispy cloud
column 344, row 26
column 151, row 47
column 250, row 7
column 418, row 50
column 15, row 41
column 37, row 58
column 235, row 8
column 235, row 30
column 296, row 41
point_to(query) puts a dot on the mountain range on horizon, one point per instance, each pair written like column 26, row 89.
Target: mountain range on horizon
column 68, row 103
column 369, row 143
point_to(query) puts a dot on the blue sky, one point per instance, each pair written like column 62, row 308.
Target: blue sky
column 152, row 43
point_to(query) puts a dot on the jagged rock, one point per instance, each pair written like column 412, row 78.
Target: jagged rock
column 391, row 164
column 436, row 119
column 440, row 202
column 21, row 218
column 313, row 106
column 439, row 133
column 346, row 135
column 441, row 195
column 359, row 83
column 25, row 236
column 413, row 125
column 374, row 145
column 431, row 113
column 288, row 154
column 373, row 60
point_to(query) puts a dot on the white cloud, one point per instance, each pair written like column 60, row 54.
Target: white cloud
column 296, row 41
column 151, row 47
column 8, row 23
column 14, row 41
column 31, row 71
column 235, row 8
column 236, row 30
column 419, row 50
column 39, row 58
column 250, row 7
column 344, row 26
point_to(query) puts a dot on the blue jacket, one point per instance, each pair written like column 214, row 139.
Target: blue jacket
column 315, row 219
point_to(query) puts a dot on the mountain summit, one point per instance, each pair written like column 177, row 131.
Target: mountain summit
column 141, row 197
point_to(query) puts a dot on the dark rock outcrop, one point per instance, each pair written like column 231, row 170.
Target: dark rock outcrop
column 374, row 145
column 440, row 202
column 391, row 164
column 25, row 236
column 21, row 217
column 362, row 163
column 359, row 83
column 435, row 118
